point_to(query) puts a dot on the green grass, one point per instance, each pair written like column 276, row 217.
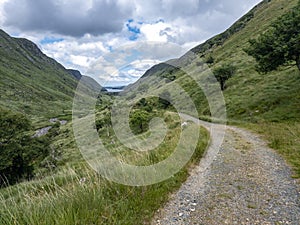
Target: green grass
column 30, row 82
column 65, row 198
column 251, row 96
column 95, row 201
column 70, row 192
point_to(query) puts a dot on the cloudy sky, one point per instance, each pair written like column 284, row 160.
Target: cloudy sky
column 115, row 41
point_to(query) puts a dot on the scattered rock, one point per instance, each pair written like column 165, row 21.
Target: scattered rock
column 63, row 122
column 41, row 132
column 54, row 120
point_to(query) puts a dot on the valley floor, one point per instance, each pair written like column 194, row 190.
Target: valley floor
column 244, row 182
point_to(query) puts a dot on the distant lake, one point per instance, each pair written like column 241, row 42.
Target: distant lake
column 114, row 89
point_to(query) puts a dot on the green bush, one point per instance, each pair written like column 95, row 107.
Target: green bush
column 280, row 44
column 139, row 121
column 19, row 152
column 223, row 73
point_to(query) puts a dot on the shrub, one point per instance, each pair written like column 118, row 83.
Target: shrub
column 223, row 73
column 139, row 121
column 280, row 44
column 19, row 152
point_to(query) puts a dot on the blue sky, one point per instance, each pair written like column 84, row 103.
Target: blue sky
column 81, row 34
column 135, row 30
column 50, row 40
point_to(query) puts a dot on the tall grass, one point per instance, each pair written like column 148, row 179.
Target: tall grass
column 78, row 195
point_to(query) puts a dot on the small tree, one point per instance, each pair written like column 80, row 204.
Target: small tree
column 139, row 121
column 280, row 44
column 223, row 73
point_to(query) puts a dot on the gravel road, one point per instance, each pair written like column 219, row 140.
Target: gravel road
column 241, row 181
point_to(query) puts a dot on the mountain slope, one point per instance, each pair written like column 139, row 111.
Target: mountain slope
column 89, row 82
column 249, row 96
column 273, row 96
column 31, row 82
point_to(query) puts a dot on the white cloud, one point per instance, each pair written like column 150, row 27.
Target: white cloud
column 77, row 53
column 80, row 60
column 139, row 67
column 2, row 16
column 131, row 61
column 156, row 31
column 93, row 28
column 104, row 71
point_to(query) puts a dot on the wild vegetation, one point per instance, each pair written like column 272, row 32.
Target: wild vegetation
column 66, row 191
column 280, row 44
column 76, row 194
column 32, row 83
column 272, row 98
column 20, row 153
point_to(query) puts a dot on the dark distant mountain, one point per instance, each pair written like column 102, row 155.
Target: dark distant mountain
column 75, row 73
column 89, row 81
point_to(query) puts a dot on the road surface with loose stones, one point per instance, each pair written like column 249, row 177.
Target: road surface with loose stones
column 241, row 182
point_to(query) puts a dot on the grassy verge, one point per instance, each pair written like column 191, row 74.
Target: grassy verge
column 78, row 195
column 283, row 137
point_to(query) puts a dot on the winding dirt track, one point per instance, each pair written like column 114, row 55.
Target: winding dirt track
column 241, row 181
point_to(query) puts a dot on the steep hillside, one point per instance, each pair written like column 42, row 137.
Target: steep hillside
column 249, row 96
column 89, row 82
column 33, row 83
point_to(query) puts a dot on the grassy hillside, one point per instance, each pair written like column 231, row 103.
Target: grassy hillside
column 34, row 88
column 271, row 101
column 31, row 82
column 267, row 103
column 249, row 96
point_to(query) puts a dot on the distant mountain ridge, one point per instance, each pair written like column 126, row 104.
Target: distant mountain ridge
column 75, row 73
column 89, row 81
